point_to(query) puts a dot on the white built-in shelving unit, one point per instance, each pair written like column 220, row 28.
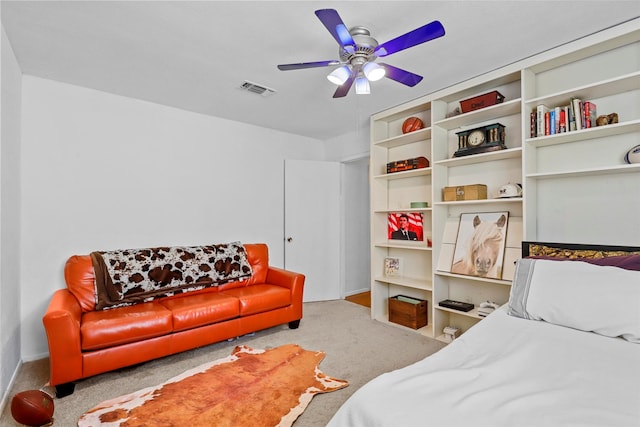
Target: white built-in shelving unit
column 577, row 187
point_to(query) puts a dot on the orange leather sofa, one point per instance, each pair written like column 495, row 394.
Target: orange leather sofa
column 84, row 342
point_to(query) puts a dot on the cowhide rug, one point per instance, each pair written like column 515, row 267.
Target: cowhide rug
column 248, row 388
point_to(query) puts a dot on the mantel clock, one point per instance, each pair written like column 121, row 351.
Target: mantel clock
column 480, row 140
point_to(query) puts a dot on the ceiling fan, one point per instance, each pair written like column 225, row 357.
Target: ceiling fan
column 358, row 53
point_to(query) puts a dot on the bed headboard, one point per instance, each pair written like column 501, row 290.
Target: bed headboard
column 575, row 250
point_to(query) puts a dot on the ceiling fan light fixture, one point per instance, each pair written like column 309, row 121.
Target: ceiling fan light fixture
column 373, row 71
column 340, row 75
column 362, row 86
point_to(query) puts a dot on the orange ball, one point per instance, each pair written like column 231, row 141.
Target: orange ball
column 411, row 124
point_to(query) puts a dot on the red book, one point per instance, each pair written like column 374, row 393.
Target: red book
column 547, row 124
column 589, row 114
column 562, row 124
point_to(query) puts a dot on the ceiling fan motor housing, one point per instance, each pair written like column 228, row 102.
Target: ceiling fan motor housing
column 365, row 46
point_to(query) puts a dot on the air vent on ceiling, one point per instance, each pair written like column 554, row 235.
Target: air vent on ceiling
column 256, row 88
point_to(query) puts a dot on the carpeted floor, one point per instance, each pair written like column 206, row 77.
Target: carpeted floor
column 357, row 349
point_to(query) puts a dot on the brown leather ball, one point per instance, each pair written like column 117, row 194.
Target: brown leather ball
column 32, row 408
column 411, row 124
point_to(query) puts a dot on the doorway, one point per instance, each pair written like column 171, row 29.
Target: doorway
column 356, row 242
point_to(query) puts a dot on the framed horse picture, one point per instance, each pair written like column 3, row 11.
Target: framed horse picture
column 479, row 249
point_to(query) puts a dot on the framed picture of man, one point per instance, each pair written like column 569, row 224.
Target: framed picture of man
column 405, row 226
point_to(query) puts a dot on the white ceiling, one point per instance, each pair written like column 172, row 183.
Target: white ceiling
column 194, row 55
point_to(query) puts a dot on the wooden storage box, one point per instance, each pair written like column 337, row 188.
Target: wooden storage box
column 481, row 101
column 408, row 311
column 464, row 192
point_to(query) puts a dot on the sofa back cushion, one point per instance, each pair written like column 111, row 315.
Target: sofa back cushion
column 80, row 277
column 258, row 257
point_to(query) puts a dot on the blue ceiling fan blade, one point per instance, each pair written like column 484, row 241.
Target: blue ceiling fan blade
column 343, row 89
column 423, row 34
column 401, row 76
column 333, row 23
column 301, row 65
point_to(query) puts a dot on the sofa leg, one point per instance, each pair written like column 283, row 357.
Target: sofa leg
column 294, row 324
column 66, row 389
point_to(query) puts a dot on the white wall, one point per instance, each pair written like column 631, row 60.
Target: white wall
column 352, row 145
column 100, row 172
column 10, row 90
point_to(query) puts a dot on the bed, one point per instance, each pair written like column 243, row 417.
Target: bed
column 564, row 351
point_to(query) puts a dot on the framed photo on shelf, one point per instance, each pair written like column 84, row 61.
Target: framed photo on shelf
column 392, row 267
column 405, row 226
column 480, row 244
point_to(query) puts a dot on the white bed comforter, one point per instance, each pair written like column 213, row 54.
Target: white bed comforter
column 508, row 371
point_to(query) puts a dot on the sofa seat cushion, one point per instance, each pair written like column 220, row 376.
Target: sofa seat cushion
column 260, row 298
column 201, row 309
column 101, row 329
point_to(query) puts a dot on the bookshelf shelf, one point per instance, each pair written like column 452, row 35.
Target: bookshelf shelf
column 404, row 174
column 404, row 139
column 387, row 211
column 616, row 169
column 507, row 108
column 415, row 247
column 509, row 153
column 473, row 313
column 408, row 282
column 473, row 278
column 585, row 134
column 513, row 200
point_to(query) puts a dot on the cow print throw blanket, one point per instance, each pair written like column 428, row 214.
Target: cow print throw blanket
column 131, row 276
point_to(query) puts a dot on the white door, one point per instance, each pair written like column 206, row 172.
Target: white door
column 312, row 226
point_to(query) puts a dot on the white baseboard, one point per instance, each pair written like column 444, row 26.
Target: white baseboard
column 5, row 393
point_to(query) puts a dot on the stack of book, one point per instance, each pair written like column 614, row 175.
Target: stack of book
column 577, row 115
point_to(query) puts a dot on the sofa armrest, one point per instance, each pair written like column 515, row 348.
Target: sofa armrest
column 287, row 279
column 62, row 326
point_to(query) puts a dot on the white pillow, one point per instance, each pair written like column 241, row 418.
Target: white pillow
column 600, row 299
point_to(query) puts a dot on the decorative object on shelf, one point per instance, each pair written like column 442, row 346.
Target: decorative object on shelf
column 510, row 190
column 412, row 124
column 633, row 155
column 392, row 267
column 455, row 112
column 481, row 101
column 481, row 140
column 486, row 308
column 479, row 249
column 408, row 164
column 405, row 226
column 607, row 119
column 464, row 192
column 428, row 237
column 418, row 205
column 408, row 311
column 450, row 333
column 456, row 305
